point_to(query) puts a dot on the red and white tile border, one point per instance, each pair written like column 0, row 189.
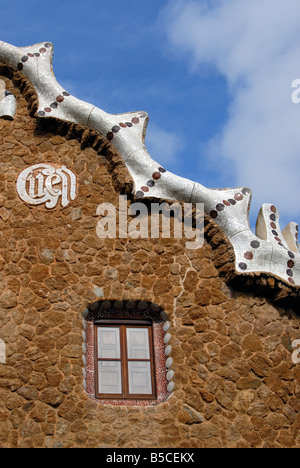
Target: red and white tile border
column 162, row 348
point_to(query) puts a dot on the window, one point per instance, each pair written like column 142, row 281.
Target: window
column 124, row 360
column 119, row 337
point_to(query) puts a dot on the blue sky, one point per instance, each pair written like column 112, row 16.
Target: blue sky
column 214, row 78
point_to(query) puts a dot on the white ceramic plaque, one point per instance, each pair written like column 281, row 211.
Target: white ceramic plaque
column 48, row 185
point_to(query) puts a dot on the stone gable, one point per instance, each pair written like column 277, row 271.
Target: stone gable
column 227, row 352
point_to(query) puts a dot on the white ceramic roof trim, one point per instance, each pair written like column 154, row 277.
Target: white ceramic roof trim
column 264, row 252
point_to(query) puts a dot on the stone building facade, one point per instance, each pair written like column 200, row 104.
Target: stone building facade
column 225, row 367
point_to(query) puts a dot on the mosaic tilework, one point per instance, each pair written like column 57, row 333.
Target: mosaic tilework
column 276, row 252
column 54, row 105
column 30, row 55
column 124, row 125
column 162, row 348
column 239, row 196
column 150, row 183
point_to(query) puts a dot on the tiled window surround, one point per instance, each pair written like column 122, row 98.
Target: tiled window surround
column 116, row 310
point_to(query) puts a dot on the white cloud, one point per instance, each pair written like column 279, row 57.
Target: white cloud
column 163, row 145
column 255, row 45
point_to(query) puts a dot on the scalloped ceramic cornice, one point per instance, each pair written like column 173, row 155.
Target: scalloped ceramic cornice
column 269, row 251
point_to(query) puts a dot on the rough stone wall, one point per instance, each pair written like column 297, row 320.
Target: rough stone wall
column 235, row 382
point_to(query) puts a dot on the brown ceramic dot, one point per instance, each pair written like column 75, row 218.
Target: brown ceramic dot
column 273, row 226
column 20, row 66
column 135, row 120
column 277, row 239
column 110, row 136
column 30, row 55
column 291, row 264
column 226, row 203
column 214, row 214
column 156, row 175
column 273, row 209
column 60, row 98
column 145, row 189
column 43, row 50
column 291, row 281
column 238, row 197
column 48, row 109
column 122, row 125
column 248, row 256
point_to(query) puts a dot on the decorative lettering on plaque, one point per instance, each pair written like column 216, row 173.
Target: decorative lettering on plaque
column 46, row 184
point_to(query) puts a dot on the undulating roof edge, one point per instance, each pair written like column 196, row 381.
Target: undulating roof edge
column 269, row 252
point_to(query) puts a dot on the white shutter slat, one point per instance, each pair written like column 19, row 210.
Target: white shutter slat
column 110, row 380
column 109, row 343
column 139, row 378
column 138, row 343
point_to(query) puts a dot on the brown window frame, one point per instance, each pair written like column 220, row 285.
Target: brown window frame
column 123, row 325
